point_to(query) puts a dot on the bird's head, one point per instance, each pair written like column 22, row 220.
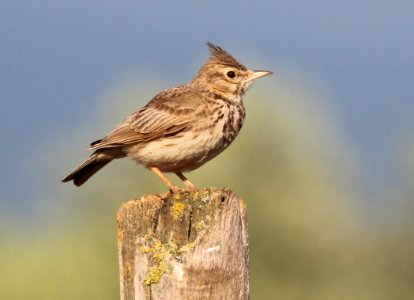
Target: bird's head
column 223, row 74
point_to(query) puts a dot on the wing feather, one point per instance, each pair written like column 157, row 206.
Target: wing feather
column 162, row 116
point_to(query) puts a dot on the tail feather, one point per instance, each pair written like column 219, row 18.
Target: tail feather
column 92, row 165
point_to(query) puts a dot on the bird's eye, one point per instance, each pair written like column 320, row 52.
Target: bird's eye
column 231, row 74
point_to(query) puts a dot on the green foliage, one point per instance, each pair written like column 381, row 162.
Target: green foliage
column 307, row 237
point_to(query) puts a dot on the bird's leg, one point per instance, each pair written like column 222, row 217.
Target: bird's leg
column 187, row 182
column 173, row 188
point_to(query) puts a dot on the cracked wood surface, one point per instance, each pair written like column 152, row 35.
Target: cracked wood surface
column 190, row 245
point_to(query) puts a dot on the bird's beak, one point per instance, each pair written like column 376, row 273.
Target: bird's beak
column 255, row 74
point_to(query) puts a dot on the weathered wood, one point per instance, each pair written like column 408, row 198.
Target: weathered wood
column 191, row 245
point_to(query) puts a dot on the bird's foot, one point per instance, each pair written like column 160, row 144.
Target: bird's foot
column 175, row 189
column 192, row 188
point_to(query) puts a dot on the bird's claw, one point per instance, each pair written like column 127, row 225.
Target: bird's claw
column 174, row 189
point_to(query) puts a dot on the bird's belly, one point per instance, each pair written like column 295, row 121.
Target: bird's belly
column 184, row 152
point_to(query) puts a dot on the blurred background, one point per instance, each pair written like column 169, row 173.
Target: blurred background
column 325, row 159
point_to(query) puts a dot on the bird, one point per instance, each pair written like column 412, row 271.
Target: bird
column 181, row 128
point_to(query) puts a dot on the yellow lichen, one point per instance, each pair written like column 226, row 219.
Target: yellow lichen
column 159, row 254
column 186, row 248
column 200, row 225
column 205, row 196
column 154, row 274
column 195, row 196
column 177, row 210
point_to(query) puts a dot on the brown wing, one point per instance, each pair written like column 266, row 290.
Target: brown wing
column 167, row 114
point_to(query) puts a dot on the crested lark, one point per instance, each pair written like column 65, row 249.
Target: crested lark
column 181, row 128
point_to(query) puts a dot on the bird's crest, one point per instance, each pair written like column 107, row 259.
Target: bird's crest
column 218, row 55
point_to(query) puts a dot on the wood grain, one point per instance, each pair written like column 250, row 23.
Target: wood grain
column 191, row 245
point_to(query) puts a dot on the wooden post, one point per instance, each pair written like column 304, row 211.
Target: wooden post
column 191, row 245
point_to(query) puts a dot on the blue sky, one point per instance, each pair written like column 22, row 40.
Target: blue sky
column 58, row 57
